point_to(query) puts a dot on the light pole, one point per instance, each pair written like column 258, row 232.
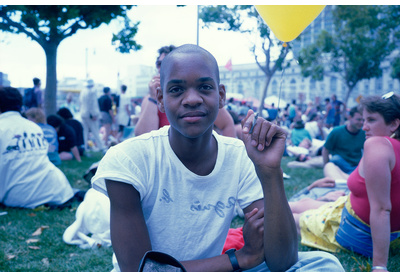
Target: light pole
column 198, row 23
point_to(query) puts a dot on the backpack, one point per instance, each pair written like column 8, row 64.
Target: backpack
column 30, row 98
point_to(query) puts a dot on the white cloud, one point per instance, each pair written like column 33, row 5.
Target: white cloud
column 23, row 59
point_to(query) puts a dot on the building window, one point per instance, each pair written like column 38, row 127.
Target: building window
column 293, row 88
column 390, row 84
column 312, row 84
column 333, row 84
column 366, row 87
column 240, row 88
column 378, row 85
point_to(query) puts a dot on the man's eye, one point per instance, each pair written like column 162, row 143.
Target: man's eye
column 206, row 87
column 175, row 90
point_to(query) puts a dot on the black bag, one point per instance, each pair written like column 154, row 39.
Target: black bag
column 154, row 261
column 30, row 98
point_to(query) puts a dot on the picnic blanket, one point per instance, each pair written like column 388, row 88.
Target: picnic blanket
column 318, row 192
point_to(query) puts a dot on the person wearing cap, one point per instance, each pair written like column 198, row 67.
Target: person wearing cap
column 90, row 114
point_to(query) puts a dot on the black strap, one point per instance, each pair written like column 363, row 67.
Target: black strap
column 233, row 259
column 153, row 100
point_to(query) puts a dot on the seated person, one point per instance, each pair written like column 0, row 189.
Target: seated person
column 315, row 126
column 369, row 216
column 344, row 145
column 174, row 189
column 37, row 116
column 28, row 178
column 67, row 146
column 151, row 118
column 299, row 133
column 66, row 114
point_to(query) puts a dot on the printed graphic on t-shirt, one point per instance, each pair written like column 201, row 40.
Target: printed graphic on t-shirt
column 26, row 143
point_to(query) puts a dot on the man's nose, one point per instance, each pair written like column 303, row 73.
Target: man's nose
column 192, row 97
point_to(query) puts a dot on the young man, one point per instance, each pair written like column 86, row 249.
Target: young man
column 151, row 118
column 174, row 189
column 345, row 144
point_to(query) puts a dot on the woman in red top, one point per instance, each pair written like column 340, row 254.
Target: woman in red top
column 370, row 216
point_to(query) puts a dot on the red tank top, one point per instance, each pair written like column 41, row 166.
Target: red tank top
column 162, row 119
column 359, row 197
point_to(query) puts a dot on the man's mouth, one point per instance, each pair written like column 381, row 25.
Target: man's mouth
column 193, row 116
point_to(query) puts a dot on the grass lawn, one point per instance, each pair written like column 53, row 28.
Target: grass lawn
column 21, row 251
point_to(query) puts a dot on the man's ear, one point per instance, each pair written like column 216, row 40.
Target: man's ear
column 395, row 125
column 160, row 100
column 222, row 96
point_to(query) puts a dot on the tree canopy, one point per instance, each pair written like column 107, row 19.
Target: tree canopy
column 48, row 25
column 232, row 18
column 361, row 41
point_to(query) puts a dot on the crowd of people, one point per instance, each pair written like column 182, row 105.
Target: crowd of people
column 169, row 182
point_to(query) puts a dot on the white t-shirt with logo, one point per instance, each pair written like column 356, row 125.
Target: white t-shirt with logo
column 27, row 177
column 188, row 216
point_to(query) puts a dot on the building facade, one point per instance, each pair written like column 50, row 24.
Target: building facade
column 249, row 81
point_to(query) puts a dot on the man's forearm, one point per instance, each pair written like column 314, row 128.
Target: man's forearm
column 280, row 234
column 148, row 119
column 325, row 155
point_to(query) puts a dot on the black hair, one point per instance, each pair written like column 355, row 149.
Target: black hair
column 354, row 110
column 55, row 120
column 124, row 87
column 65, row 113
column 189, row 49
column 10, row 99
column 36, row 81
column 106, row 90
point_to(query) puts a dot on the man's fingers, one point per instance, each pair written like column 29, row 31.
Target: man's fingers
column 248, row 121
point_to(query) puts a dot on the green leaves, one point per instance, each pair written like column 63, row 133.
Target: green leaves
column 364, row 36
column 124, row 39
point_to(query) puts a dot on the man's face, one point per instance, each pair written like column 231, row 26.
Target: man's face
column 356, row 121
column 190, row 96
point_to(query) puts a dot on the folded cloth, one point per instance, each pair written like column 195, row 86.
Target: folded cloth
column 92, row 218
column 318, row 227
column 234, row 239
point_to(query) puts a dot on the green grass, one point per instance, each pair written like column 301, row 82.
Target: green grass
column 51, row 254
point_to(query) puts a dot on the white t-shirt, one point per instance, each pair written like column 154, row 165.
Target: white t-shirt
column 27, row 177
column 89, row 104
column 188, row 216
column 123, row 116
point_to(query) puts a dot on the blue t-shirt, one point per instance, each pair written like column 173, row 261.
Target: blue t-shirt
column 51, row 136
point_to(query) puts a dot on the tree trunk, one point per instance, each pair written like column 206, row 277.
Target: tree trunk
column 349, row 90
column 50, row 96
column 264, row 94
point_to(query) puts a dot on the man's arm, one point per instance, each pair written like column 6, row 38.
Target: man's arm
column 76, row 154
column 130, row 237
column 325, row 155
column 148, row 119
column 224, row 122
column 265, row 147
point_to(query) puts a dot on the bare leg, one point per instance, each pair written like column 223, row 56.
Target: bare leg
column 334, row 172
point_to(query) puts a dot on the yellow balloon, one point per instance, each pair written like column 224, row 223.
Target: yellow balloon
column 288, row 21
